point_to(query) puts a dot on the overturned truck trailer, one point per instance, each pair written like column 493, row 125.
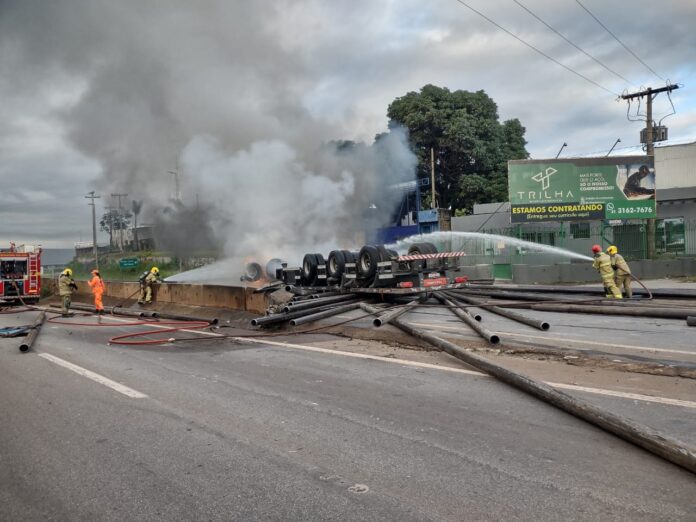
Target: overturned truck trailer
column 374, row 268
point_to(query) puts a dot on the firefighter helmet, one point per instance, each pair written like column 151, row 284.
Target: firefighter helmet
column 154, row 270
column 612, row 250
column 596, row 248
column 67, row 272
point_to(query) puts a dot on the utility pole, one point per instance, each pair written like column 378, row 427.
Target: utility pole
column 120, row 216
column 433, row 202
column 649, row 94
column 92, row 197
column 561, row 149
column 175, row 173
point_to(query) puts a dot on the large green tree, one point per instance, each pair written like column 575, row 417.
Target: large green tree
column 471, row 145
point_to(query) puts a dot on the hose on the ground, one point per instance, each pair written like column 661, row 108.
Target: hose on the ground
column 121, row 339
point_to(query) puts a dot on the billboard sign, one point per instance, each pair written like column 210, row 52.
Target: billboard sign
column 581, row 189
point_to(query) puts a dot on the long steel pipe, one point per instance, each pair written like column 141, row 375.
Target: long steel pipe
column 536, row 323
column 33, row 334
column 633, row 311
column 321, row 295
column 394, row 312
column 565, row 289
column 322, row 315
column 315, row 303
column 465, row 316
column 655, row 442
column 517, row 296
column 286, row 316
column 142, row 313
column 691, row 320
column 177, row 317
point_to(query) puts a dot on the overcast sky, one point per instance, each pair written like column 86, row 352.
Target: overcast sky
column 105, row 95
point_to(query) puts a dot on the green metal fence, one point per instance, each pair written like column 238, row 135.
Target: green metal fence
column 673, row 238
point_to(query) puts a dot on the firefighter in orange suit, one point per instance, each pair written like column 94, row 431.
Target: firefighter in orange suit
column 97, row 284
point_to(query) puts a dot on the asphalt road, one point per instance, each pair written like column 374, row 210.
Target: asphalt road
column 639, row 338
column 215, row 430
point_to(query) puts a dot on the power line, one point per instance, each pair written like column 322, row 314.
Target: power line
column 617, row 39
column 572, row 43
column 535, row 49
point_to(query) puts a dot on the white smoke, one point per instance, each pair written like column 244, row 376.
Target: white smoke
column 273, row 202
column 220, row 90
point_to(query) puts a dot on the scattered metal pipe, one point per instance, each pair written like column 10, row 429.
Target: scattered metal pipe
column 518, row 296
column 177, row 317
column 326, row 313
column 142, row 313
column 33, row 334
column 565, row 289
column 645, row 437
column 125, row 311
column 78, row 306
column 633, row 311
column 465, row 316
column 394, row 312
column 314, row 303
column 286, row 316
column 541, row 325
column 691, row 321
column 325, row 294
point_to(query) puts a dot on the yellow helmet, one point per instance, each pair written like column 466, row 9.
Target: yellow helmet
column 67, row 272
column 612, row 250
column 154, row 270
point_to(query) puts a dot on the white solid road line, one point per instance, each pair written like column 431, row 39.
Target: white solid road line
column 625, row 395
column 120, row 388
column 438, row 326
column 318, row 349
column 404, row 362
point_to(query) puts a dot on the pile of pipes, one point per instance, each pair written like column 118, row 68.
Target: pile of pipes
column 305, row 308
column 661, row 303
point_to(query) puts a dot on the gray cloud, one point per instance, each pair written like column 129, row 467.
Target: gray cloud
column 109, row 95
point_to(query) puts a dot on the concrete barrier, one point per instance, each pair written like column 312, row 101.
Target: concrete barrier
column 217, row 296
column 577, row 272
column 542, row 274
column 244, row 298
column 477, row 271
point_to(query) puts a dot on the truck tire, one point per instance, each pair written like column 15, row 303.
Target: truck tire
column 350, row 257
column 309, row 269
column 367, row 261
column 385, row 254
column 336, row 264
column 421, row 248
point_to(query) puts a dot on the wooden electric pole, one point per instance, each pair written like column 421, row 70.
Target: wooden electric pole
column 649, row 95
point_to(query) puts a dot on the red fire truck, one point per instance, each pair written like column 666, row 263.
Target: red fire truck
column 20, row 274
